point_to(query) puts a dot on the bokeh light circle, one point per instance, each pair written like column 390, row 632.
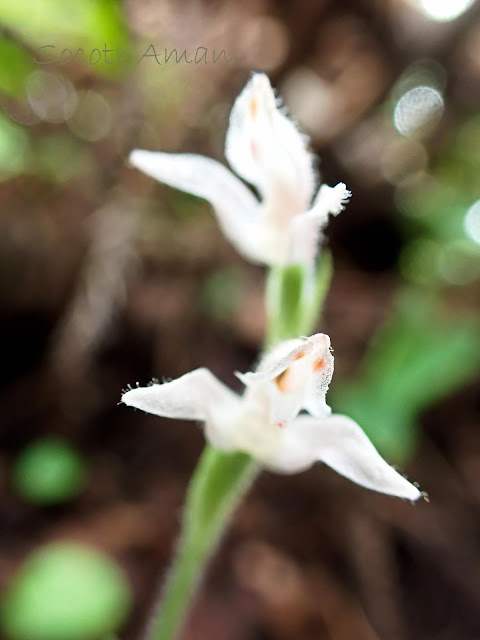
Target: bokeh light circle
column 444, row 10
column 417, row 110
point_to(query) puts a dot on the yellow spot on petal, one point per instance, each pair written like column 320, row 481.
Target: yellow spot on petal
column 253, row 108
column 281, row 381
column 319, row 365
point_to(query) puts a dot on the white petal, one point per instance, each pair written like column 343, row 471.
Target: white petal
column 306, row 228
column 305, row 237
column 197, row 395
column 234, row 204
column 274, row 361
column 331, row 199
column 296, row 375
column 264, row 147
column 303, row 360
column 339, row 442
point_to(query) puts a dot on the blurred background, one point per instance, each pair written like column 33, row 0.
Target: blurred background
column 108, row 278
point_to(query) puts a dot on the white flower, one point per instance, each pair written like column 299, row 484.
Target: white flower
column 265, row 149
column 265, row 421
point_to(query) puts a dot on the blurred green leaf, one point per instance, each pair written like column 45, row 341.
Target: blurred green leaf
column 435, row 205
column 88, row 24
column 61, row 158
column 65, row 591
column 49, row 471
column 14, row 148
column 419, row 357
column 222, row 293
column 17, row 64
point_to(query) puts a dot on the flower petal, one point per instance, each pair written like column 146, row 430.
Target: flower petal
column 234, row 204
column 306, row 228
column 331, row 199
column 264, row 147
column 296, row 374
column 197, row 395
column 339, row 442
column 274, row 361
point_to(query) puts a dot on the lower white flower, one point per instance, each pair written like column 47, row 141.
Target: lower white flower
column 265, row 421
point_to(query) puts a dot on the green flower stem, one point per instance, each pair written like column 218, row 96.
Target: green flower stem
column 294, row 298
column 218, row 485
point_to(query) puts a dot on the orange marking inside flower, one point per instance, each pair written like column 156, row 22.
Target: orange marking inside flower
column 319, row 365
column 300, row 355
column 254, row 150
column 253, row 108
column 281, row 381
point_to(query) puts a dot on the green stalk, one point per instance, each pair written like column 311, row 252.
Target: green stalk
column 220, row 481
column 218, row 485
column 294, row 298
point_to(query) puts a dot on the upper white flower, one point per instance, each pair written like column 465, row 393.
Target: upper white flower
column 265, row 421
column 265, row 149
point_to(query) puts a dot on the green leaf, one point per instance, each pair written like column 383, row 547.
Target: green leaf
column 392, row 429
column 49, row 471
column 88, row 24
column 419, row 357
column 16, row 64
column 65, row 591
column 14, row 149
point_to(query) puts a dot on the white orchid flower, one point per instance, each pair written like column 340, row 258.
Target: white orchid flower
column 265, row 421
column 264, row 148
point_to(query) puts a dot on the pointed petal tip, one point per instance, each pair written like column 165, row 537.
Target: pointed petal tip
column 320, row 339
column 402, row 488
column 131, row 156
column 260, row 89
column 411, row 493
column 140, row 397
column 138, row 157
column 260, row 79
column 245, row 378
column 128, row 397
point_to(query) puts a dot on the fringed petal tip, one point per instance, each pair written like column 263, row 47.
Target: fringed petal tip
column 336, row 197
column 411, row 492
column 134, row 397
column 193, row 396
